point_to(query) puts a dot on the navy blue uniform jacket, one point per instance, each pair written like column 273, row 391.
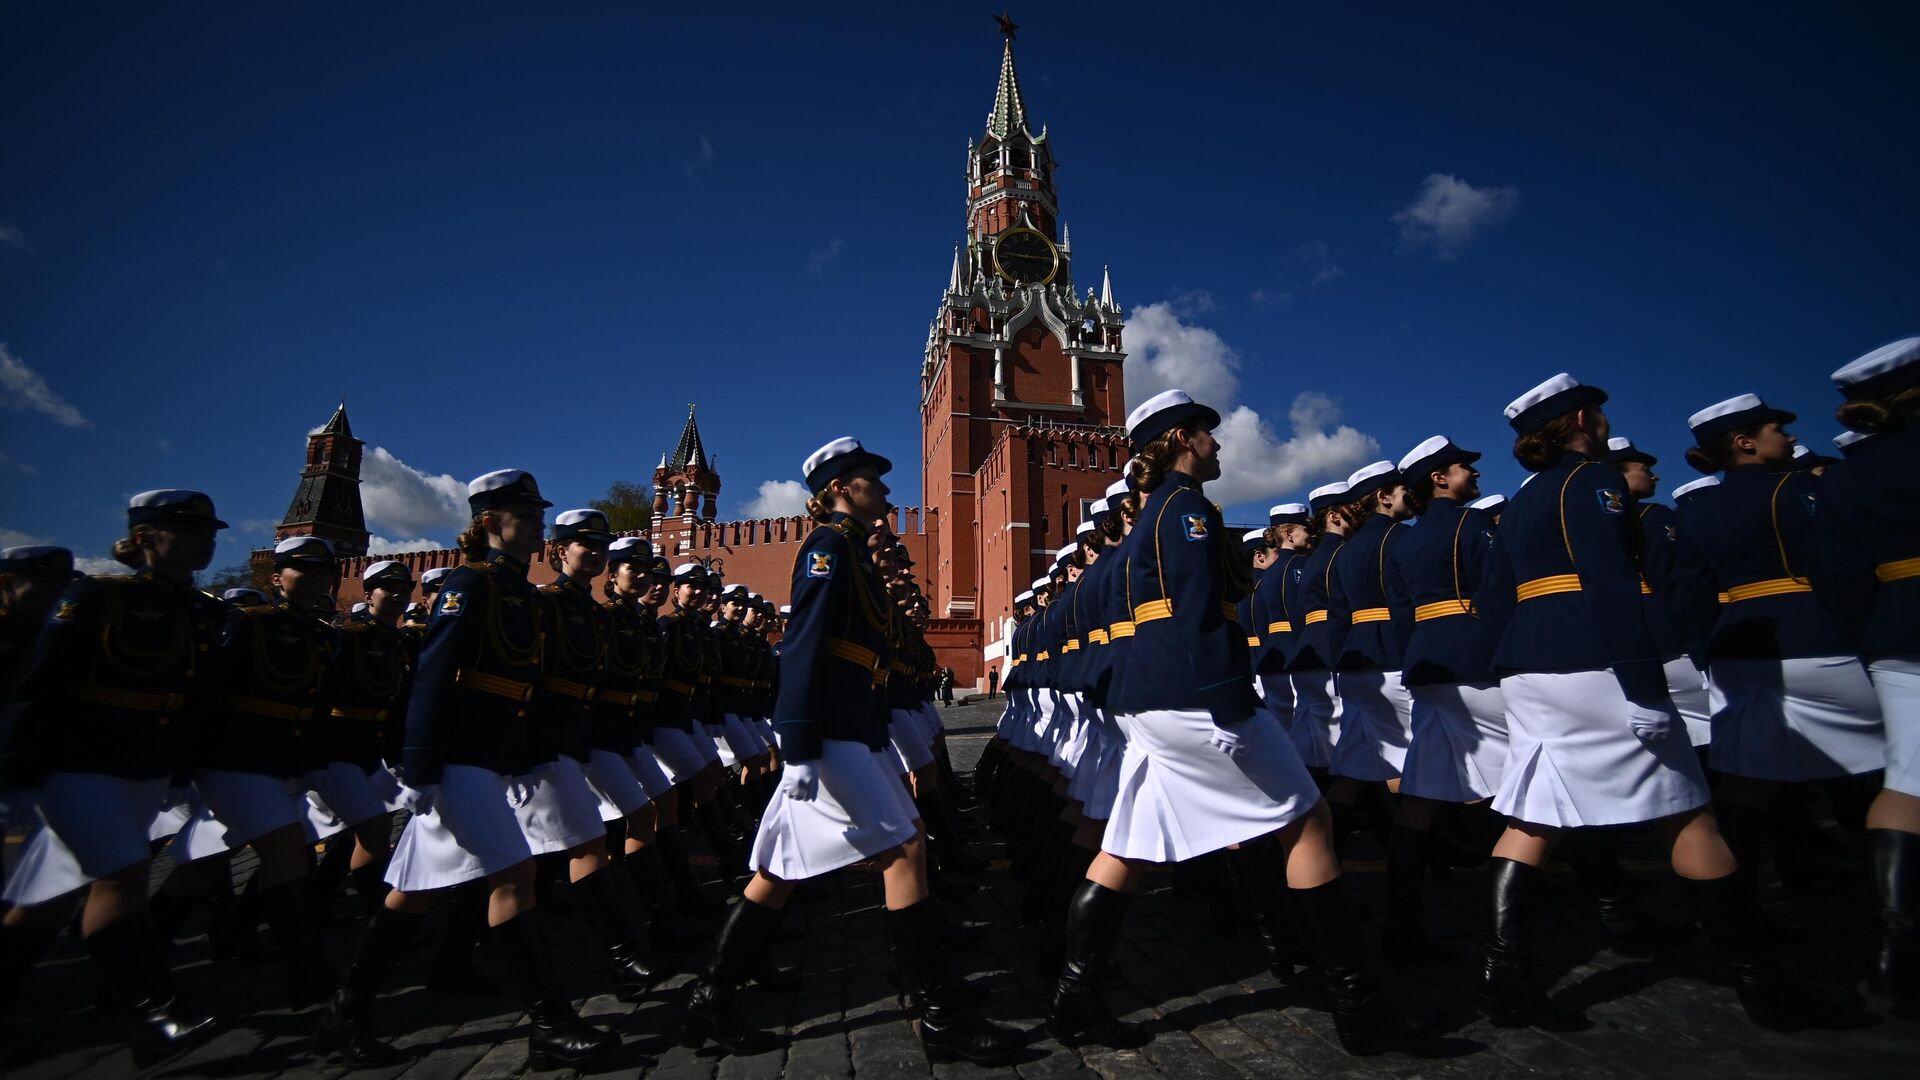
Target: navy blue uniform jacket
column 477, row 673
column 834, row 643
column 1376, row 630
column 1184, row 578
column 1319, row 616
column 1448, row 571
column 1569, row 535
column 1868, row 574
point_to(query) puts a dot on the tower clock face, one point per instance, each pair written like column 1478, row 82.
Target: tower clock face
column 1025, row 257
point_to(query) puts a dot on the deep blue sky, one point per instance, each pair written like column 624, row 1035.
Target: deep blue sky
column 514, row 237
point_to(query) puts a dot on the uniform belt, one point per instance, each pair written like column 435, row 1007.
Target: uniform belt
column 1318, row 615
column 847, row 650
column 645, row 697
column 1253, row 641
column 736, row 681
column 365, row 716
column 1281, row 627
column 496, row 685
column 619, row 697
column 1098, row 637
column 1230, row 613
column 678, row 687
column 1121, row 629
column 1780, row 586
column 1547, row 586
column 1152, row 610
column 128, row 699
column 880, row 676
column 1897, row 570
column 899, row 668
column 1071, row 646
column 1440, row 609
column 1724, row 598
column 706, row 680
column 1372, row 614
column 1645, row 589
column 1042, row 655
column 579, row 691
column 273, row 710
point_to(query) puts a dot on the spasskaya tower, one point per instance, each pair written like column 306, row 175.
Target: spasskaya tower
column 1021, row 387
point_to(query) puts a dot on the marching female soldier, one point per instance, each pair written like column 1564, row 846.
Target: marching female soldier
column 1288, row 537
column 1319, row 628
column 1203, row 769
column 367, row 696
column 629, row 690
column 1594, row 738
column 466, row 743
column 275, row 671
column 681, row 736
column 581, row 771
column 1376, row 714
column 1686, row 680
column 1869, row 577
column 110, row 705
column 1795, row 700
column 1450, row 575
column 839, row 801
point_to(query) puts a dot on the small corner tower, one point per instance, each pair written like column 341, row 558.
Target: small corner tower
column 327, row 502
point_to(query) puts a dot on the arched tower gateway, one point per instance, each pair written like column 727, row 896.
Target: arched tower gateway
column 1021, row 389
column 686, row 478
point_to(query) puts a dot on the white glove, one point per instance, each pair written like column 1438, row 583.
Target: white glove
column 1227, row 741
column 420, row 799
column 1649, row 725
column 800, row 780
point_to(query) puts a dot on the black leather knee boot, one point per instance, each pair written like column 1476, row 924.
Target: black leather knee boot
column 1895, row 871
column 560, row 1039
column 713, row 1013
column 1726, row 908
column 345, row 1026
column 634, row 971
column 1080, row 1014
column 1262, row 882
column 1364, row 1022
column 160, row 1021
column 287, row 909
column 1508, row 994
column 948, row 1028
column 1406, row 940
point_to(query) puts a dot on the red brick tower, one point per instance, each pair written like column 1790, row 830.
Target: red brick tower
column 1021, row 390
column 327, row 502
column 688, row 477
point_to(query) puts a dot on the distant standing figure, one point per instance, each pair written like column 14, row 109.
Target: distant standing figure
column 946, row 686
column 993, row 682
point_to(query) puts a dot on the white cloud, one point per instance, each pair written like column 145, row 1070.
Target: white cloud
column 18, row 464
column 1197, row 302
column 706, row 150
column 22, row 389
column 16, row 538
column 777, row 498
column 1256, row 464
column 93, row 566
column 1450, row 212
column 12, row 237
column 380, row 545
column 400, row 498
column 1314, row 254
column 820, row 258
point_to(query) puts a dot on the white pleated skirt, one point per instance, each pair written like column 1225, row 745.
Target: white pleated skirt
column 1376, row 723
column 1178, row 797
column 1316, row 718
column 561, row 810
column 1100, row 773
column 343, row 795
column 930, row 719
column 646, row 769
column 1687, row 686
column 860, row 810
column 173, row 816
column 677, row 754
column 1896, row 682
column 91, row 826
column 1074, row 720
column 1459, row 748
column 1573, row 759
column 613, row 783
column 909, row 740
column 1797, row 719
column 233, row 809
column 1277, row 692
column 469, row 831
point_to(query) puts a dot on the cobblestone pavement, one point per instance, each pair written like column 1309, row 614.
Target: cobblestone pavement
column 1216, row 1011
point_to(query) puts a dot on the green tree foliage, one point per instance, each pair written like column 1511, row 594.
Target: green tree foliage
column 628, row 506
